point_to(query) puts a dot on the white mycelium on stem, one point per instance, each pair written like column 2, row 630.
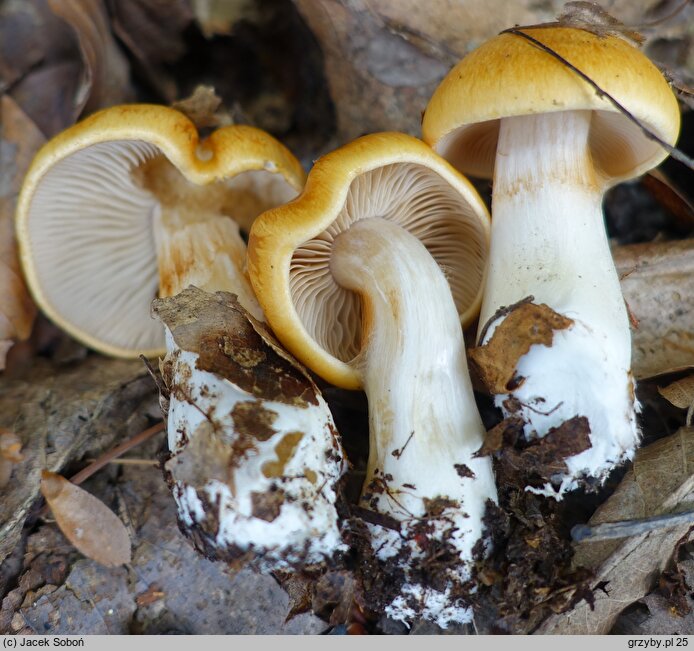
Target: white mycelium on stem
column 549, row 241
column 254, row 456
column 424, row 425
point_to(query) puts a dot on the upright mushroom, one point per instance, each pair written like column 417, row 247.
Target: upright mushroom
column 554, row 145
column 365, row 278
column 130, row 204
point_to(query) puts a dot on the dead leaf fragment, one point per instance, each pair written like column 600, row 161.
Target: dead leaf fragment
column 10, row 446
column 231, row 343
column 204, row 108
column 592, row 17
column 657, row 281
column 524, row 326
column 679, row 393
column 19, row 141
column 105, row 79
column 10, row 454
column 86, row 521
column 299, row 588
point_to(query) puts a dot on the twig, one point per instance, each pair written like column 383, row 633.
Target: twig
column 629, row 528
column 675, row 153
column 133, row 462
column 397, row 453
column 113, row 453
column 502, row 311
column 658, row 21
column 372, row 517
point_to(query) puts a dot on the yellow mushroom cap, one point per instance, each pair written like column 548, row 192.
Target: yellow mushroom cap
column 388, row 175
column 510, row 76
column 84, row 217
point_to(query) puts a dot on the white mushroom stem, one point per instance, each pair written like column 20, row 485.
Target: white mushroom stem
column 423, row 421
column 208, row 253
column 549, row 241
column 422, row 413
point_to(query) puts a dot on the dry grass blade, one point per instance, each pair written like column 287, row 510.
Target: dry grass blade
column 86, row 521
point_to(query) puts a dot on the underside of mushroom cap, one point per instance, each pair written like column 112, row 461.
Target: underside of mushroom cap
column 86, row 213
column 390, row 176
column 510, row 76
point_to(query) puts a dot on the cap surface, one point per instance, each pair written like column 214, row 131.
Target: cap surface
column 386, row 175
column 510, row 76
column 85, row 212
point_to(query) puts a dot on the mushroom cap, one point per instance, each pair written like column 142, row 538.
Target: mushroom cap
column 388, row 175
column 510, row 76
column 84, row 223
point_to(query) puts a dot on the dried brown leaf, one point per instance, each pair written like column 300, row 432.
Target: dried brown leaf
column 657, row 281
column 679, row 393
column 86, row 521
column 19, row 141
column 525, row 325
column 592, row 17
column 105, row 79
column 300, row 589
column 10, row 446
column 232, row 344
column 661, row 480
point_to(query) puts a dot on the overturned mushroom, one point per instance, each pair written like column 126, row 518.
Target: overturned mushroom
column 130, row 204
column 554, row 146
column 254, row 457
column 365, row 278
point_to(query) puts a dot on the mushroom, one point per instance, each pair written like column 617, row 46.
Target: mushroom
column 254, row 458
column 131, row 203
column 365, row 278
column 554, row 146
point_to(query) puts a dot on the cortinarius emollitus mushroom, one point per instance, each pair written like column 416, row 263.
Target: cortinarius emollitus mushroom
column 130, row 204
column 554, row 145
column 365, row 278
column 254, row 455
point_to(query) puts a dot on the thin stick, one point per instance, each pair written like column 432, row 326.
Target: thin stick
column 111, row 454
column 129, row 461
column 678, row 155
column 629, row 528
column 662, row 19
